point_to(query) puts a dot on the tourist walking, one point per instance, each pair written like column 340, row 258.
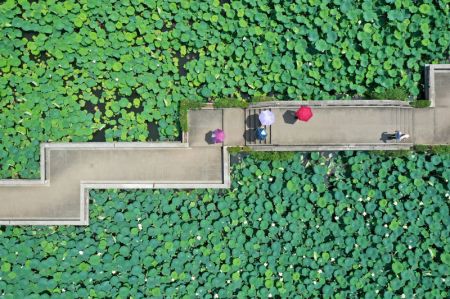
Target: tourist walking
column 398, row 136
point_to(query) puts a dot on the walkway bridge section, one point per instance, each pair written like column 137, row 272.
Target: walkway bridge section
column 70, row 170
column 358, row 126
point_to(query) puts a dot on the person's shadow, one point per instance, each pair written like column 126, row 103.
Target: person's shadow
column 289, row 117
column 208, row 138
column 252, row 123
column 385, row 137
column 250, row 135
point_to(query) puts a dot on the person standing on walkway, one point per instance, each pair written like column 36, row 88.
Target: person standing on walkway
column 398, row 135
column 261, row 133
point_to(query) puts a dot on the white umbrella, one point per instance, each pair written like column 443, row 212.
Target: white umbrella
column 266, row 118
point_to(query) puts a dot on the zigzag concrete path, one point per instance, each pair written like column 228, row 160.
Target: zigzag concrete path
column 69, row 171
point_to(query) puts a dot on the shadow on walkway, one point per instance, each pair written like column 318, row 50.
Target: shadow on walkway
column 289, row 117
column 252, row 123
column 384, row 137
column 208, row 138
column 250, row 135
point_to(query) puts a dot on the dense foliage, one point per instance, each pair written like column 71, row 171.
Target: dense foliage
column 109, row 70
column 390, row 94
column 421, row 104
column 354, row 225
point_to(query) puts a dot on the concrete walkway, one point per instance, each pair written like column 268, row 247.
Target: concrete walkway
column 339, row 125
column 69, row 171
column 432, row 125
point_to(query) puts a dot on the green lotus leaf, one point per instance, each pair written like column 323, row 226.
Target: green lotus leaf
column 425, row 8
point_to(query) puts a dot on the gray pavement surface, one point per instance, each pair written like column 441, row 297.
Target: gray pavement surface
column 442, row 89
column 432, row 125
column 69, row 167
column 340, row 125
column 201, row 124
column 233, row 126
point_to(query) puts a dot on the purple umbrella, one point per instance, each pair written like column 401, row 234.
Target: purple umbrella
column 266, row 118
column 218, row 136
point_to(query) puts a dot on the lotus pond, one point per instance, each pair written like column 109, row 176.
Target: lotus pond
column 116, row 70
column 351, row 225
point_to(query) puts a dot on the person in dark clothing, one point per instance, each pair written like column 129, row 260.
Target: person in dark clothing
column 398, row 136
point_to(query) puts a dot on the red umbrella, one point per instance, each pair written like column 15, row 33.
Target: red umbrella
column 304, row 113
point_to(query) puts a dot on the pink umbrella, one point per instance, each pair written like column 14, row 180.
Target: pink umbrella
column 218, row 136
